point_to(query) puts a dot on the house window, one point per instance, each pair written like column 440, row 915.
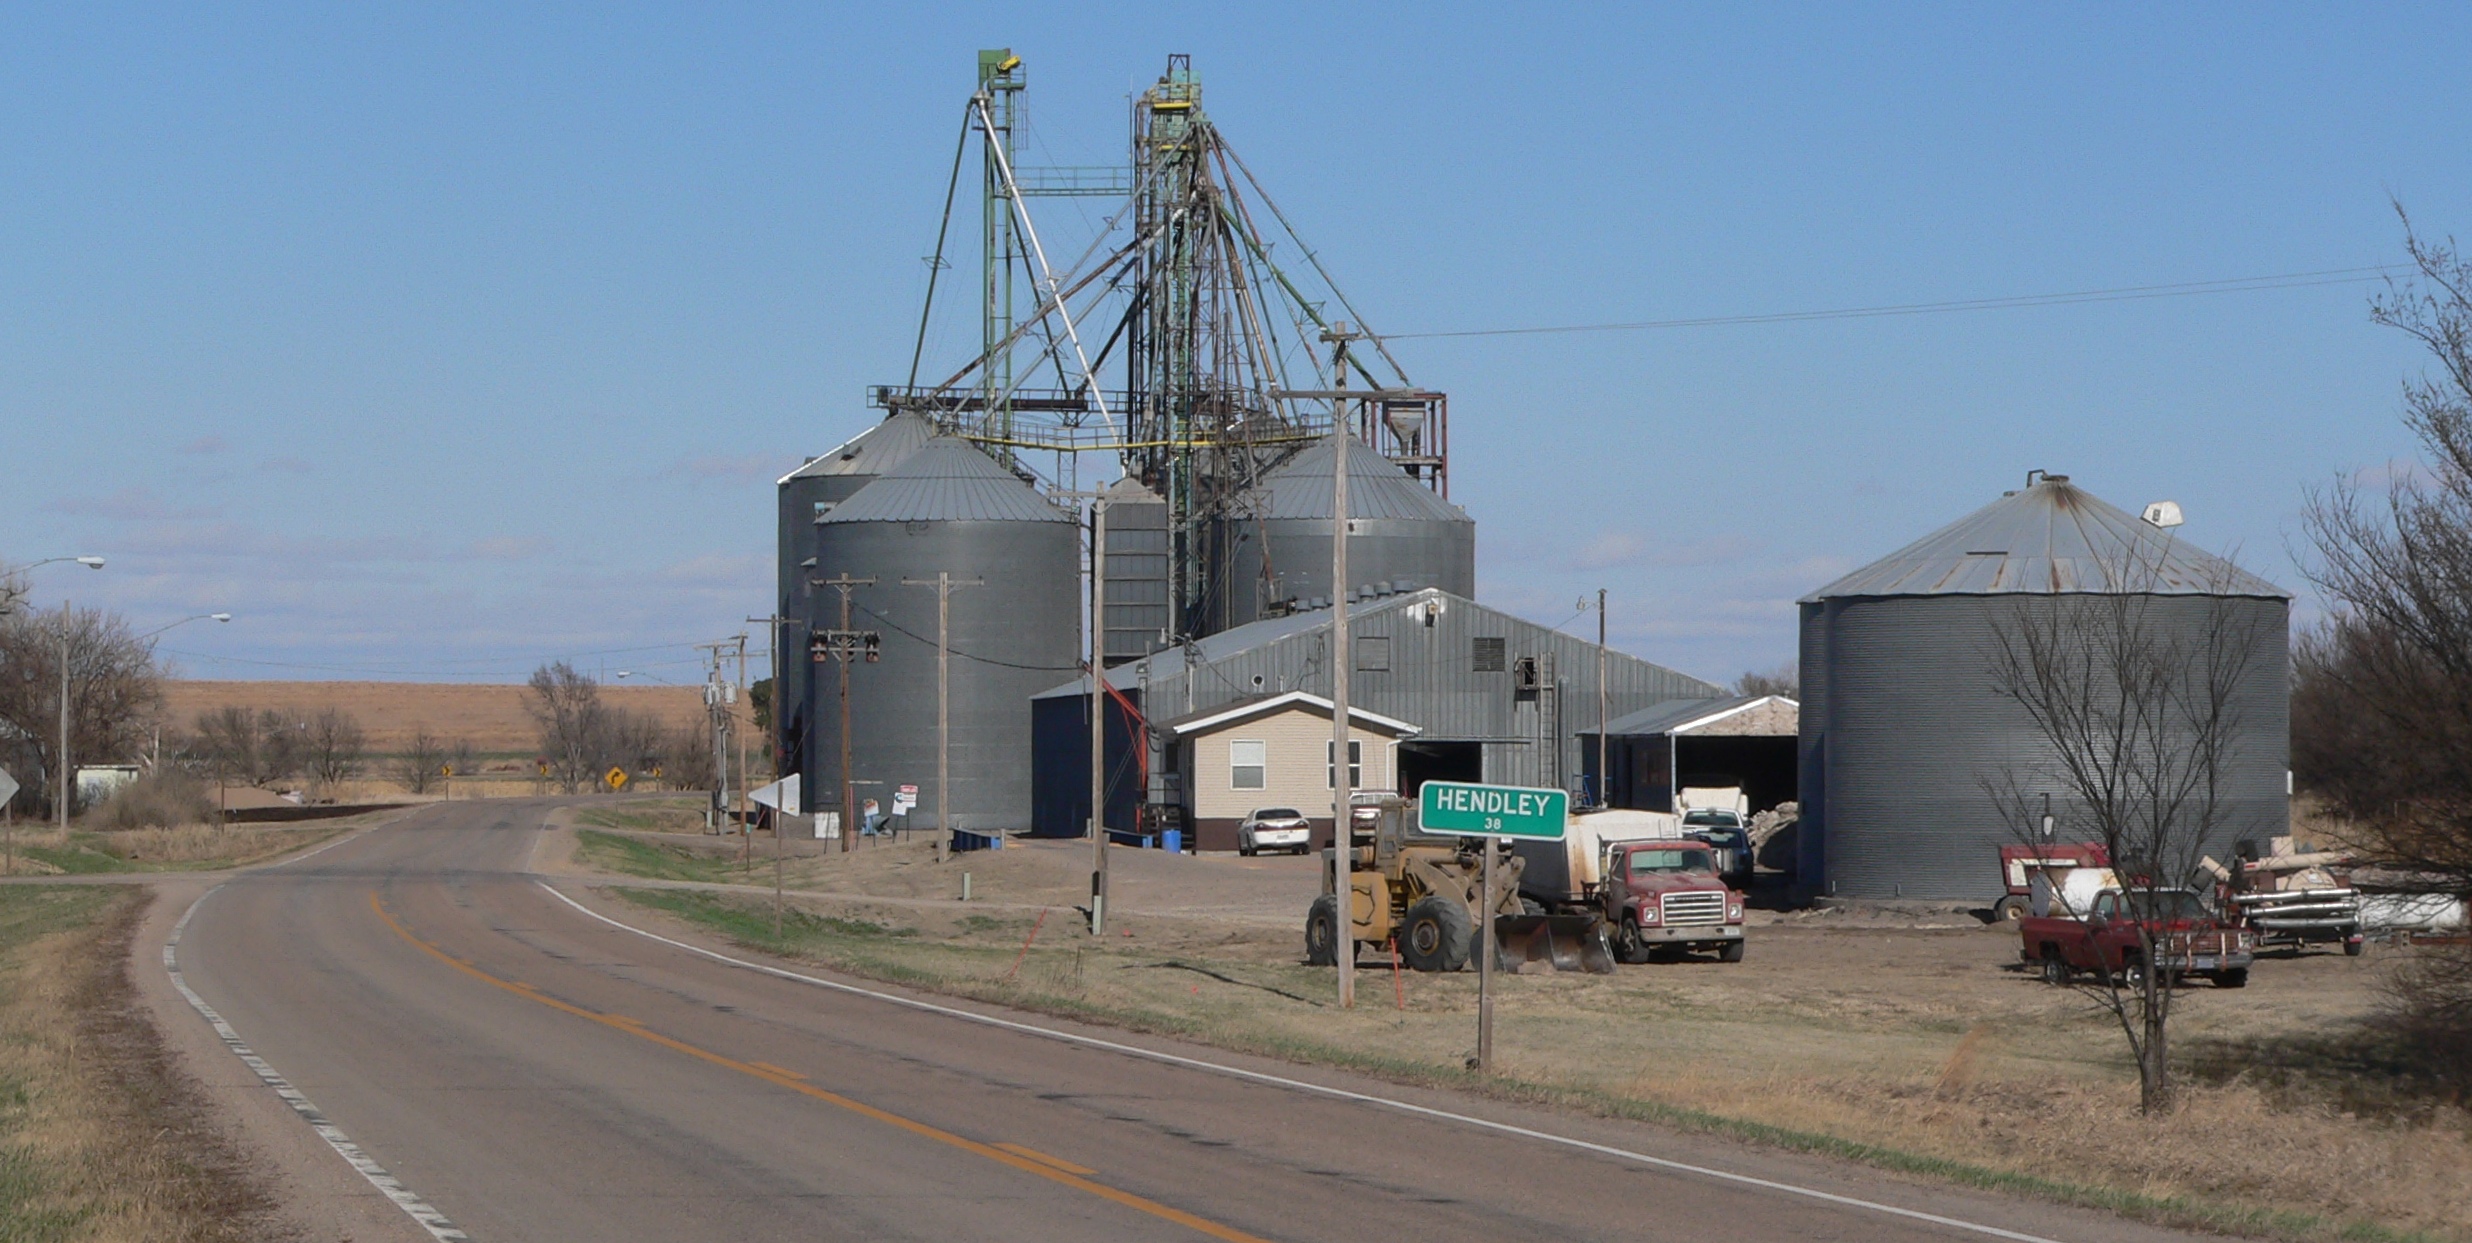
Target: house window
column 1373, row 653
column 1490, row 655
column 1248, row 765
column 1356, row 765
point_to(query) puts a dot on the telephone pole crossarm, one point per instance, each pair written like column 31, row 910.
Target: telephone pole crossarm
column 944, row 583
column 841, row 645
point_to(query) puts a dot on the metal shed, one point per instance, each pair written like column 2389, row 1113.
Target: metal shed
column 1495, row 697
column 1745, row 741
column 1902, row 725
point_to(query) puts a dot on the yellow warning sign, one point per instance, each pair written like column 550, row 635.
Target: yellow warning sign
column 616, row 777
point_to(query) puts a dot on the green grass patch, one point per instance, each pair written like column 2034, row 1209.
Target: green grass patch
column 633, row 856
column 979, row 972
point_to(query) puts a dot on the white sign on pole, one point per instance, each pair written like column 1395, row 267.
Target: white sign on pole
column 904, row 798
column 827, row 824
column 781, row 796
column 8, row 786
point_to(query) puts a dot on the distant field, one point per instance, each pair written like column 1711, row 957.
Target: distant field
column 491, row 717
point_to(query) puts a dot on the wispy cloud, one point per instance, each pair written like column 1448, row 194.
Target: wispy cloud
column 758, row 467
column 130, row 504
column 204, row 445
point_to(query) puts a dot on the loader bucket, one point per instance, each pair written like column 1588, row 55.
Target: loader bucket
column 1568, row 942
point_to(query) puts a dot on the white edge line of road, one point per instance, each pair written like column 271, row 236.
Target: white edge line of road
column 419, row 1210
column 1316, row 1089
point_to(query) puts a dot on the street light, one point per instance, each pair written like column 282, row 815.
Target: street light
column 220, row 617
column 91, row 563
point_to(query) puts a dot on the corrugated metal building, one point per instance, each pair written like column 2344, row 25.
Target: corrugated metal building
column 947, row 507
column 1745, row 741
column 1902, row 724
column 805, row 495
column 1495, row 698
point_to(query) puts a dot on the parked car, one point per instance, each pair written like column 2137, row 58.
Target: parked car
column 1274, row 828
column 2187, row 936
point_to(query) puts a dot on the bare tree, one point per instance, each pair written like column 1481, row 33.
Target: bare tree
column 114, row 689
column 1784, row 680
column 2135, row 696
column 333, row 747
column 573, row 722
column 417, row 765
column 2382, row 708
column 462, row 759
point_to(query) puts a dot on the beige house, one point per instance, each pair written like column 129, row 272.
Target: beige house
column 1276, row 752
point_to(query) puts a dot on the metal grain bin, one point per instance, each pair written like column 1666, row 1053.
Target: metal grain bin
column 1400, row 532
column 1902, row 725
column 805, row 495
column 948, row 507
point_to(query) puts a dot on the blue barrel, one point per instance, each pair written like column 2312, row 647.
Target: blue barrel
column 1173, row 840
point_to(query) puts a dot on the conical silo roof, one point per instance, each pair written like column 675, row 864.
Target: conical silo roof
column 1377, row 488
column 2049, row 539
column 872, row 452
column 946, row 480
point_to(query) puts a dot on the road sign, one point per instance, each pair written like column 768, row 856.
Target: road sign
column 1493, row 811
column 8, row 786
column 616, row 777
column 904, row 798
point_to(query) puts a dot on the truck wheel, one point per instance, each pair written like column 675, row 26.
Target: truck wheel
column 2055, row 968
column 1436, row 934
column 2352, row 945
column 2237, row 977
column 1628, row 945
column 2008, row 909
column 1731, row 951
column 1322, row 932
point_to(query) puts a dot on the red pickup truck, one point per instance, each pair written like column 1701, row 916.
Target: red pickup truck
column 2187, row 937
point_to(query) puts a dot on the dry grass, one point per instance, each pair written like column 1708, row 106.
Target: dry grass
column 1915, row 1050
column 192, row 847
column 490, row 716
column 101, row 1138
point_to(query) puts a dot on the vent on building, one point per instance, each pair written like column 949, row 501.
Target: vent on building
column 1490, row 655
column 1373, row 653
column 1523, row 674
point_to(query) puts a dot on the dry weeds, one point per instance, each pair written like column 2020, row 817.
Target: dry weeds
column 102, row 1138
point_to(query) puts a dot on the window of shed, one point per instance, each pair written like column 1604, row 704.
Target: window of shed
column 1248, row 764
column 1373, row 653
column 1490, row 655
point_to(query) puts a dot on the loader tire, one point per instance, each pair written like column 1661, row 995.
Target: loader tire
column 1437, row 934
column 1322, row 932
column 2008, row 909
column 1628, row 945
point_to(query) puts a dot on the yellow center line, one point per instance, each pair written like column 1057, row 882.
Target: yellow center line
column 1002, row 1154
column 1024, row 1150
column 770, row 1069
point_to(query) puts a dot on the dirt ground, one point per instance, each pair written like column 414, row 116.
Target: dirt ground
column 490, row 716
column 1913, row 1033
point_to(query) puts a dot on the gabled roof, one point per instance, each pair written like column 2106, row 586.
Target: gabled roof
column 1681, row 716
column 1170, row 661
column 1244, row 709
column 946, row 480
column 872, row 452
column 1377, row 488
column 2049, row 539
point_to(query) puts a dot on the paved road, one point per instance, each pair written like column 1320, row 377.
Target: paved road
column 538, row 1074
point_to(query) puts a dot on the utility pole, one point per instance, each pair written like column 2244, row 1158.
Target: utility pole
column 1098, row 716
column 842, row 645
column 68, row 787
column 720, row 700
column 1605, row 780
column 772, row 657
column 746, row 825
column 1343, row 838
column 944, row 584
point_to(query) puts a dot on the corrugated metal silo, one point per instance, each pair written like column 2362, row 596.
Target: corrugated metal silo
column 805, row 495
column 949, row 508
column 1902, row 724
column 1400, row 532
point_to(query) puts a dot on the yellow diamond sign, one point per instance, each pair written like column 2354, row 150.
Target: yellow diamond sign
column 616, row 777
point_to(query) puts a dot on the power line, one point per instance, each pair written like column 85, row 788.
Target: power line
column 2127, row 293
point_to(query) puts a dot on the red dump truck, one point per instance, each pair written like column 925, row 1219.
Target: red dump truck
column 1664, row 898
column 2188, row 938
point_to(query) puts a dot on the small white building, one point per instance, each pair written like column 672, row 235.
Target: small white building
column 1276, row 752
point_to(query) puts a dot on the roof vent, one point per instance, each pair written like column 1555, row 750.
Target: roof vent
column 2165, row 514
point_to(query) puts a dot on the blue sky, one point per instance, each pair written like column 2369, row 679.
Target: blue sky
column 436, row 341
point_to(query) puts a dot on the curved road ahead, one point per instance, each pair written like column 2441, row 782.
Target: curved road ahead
column 535, row 1073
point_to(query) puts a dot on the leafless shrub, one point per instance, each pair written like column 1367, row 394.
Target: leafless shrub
column 164, row 798
column 574, row 723
column 1785, row 679
column 239, row 747
column 417, row 765
column 332, row 747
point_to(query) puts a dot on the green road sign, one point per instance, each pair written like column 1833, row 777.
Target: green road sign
column 1493, row 811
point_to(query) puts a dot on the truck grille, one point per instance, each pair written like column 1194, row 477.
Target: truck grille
column 1689, row 909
